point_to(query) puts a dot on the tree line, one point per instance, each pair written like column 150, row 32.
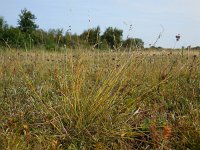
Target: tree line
column 27, row 35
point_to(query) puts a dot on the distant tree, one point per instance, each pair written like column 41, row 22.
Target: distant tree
column 3, row 32
column 3, row 27
column 26, row 21
column 3, row 23
column 54, row 39
column 39, row 37
column 57, row 34
column 14, row 37
column 196, row 48
column 132, row 43
column 92, row 36
column 73, row 41
column 156, row 47
column 113, row 37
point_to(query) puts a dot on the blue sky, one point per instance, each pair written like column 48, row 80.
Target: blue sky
column 147, row 16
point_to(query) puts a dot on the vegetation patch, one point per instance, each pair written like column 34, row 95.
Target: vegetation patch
column 106, row 100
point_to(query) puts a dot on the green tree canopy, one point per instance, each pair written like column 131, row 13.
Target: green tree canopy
column 3, row 23
column 3, row 30
column 91, row 36
column 113, row 37
column 132, row 43
column 3, row 26
column 27, row 21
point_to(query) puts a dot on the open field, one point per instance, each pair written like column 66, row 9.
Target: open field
column 99, row 100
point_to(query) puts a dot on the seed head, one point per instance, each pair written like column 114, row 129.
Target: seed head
column 178, row 37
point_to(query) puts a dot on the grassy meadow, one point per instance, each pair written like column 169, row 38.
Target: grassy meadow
column 85, row 100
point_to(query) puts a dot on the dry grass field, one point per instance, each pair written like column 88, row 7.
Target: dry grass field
column 99, row 100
